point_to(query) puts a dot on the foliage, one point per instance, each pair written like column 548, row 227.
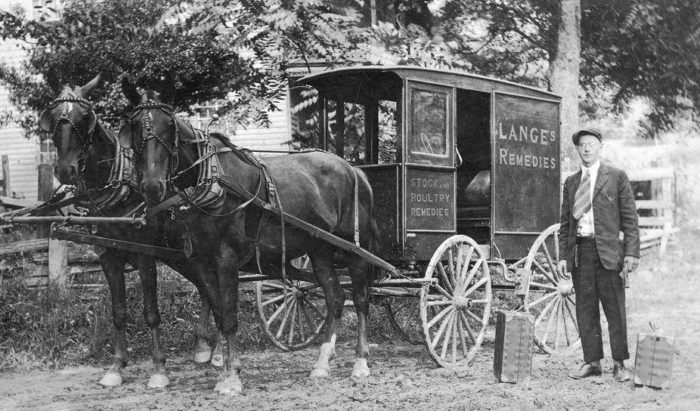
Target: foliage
column 630, row 49
column 117, row 38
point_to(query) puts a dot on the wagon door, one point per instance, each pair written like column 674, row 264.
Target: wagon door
column 429, row 172
column 526, row 170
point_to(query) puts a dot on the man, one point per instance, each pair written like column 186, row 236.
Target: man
column 597, row 205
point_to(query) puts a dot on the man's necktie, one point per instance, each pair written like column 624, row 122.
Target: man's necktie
column 582, row 201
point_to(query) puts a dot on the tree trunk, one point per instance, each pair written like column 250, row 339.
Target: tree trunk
column 564, row 77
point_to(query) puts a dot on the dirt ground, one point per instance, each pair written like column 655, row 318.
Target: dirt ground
column 664, row 291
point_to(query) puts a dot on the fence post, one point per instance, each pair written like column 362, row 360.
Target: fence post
column 58, row 263
column 6, row 189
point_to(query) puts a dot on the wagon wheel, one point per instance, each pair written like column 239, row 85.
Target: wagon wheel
column 455, row 310
column 404, row 317
column 292, row 321
column 549, row 296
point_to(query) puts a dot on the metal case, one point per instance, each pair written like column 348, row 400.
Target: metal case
column 654, row 359
column 512, row 360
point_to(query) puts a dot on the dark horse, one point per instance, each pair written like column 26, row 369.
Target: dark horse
column 318, row 187
column 89, row 156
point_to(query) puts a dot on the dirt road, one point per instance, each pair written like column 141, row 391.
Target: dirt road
column 403, row 376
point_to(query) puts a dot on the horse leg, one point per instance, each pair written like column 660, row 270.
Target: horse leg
column 217, row 358
column 322, row 262
column 227, row 321
column 113, row 267
column 359, row 270
column 149, row 282
column 202, row 349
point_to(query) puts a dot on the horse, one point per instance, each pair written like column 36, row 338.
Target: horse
column 317, row 187
column 90, row 156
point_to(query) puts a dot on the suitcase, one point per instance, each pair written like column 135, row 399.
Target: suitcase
column 512, row 360
column 654, row 359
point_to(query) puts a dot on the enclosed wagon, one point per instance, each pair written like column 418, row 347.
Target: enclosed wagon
column 465, row 171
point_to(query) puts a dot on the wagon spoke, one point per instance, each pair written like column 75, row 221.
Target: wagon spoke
column 436, row 303
column 451, row 262
column 272, row 284
column 571, row 314
column 549, row 322
column 441, row 290
column 544, row 311
column 465, row 321
column 476, row 286
column 292, row 322
column 475, row 317
column 465, row 267
column 542, row 299
column 552, row 264
column 543, row 286
column 455, row 323
column 276, row 313
column 482, row 301
column 312, row 305
column 448, row 335
column 462, row 338
column 458, row 265
column 283, row 323
column 470, row 276
column 273, row 300
column 558, row 314
column 445, row 279
column 566, row 328
column 439, row 316
column 438, row 334
column 544, row 272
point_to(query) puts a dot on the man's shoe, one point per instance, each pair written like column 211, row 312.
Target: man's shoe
column 587, row 370
column 620, row 373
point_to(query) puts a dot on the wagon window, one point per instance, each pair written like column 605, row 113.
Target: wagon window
column 387, row 132
column 429, row 137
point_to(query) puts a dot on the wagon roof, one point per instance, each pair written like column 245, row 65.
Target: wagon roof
column 457, row 79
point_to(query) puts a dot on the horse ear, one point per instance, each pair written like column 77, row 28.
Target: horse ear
column 130, row 92
column 87, row 89
column 45, row 120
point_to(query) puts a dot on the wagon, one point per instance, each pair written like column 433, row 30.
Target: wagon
column 465, row 173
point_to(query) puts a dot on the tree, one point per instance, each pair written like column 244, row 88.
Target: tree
column 134, row 38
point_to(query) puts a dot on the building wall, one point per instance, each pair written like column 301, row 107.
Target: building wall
column 22, row 153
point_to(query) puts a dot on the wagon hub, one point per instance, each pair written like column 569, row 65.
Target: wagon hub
column 463, row 302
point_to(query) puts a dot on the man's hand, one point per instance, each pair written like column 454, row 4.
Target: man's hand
column 630, row 264
column 562, row 267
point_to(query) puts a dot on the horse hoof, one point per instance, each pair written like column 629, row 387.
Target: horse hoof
column 158, row 381
column 320, row 373
column 230, row 386
column 360, row 369
column 202, row 357
column 111, row 379
column 217, row 360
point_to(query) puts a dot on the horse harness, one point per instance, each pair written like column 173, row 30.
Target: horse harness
column 121, row 173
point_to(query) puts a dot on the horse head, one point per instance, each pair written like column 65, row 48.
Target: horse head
column 71, row 123
column 155, row 134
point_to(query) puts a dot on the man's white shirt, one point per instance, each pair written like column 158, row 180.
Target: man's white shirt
column 586, row 225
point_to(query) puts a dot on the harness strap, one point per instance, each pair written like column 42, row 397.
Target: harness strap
column 356, row 210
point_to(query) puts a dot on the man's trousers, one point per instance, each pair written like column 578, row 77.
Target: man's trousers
column 593, row 283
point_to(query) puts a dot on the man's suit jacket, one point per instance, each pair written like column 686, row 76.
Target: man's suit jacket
column 614, row 211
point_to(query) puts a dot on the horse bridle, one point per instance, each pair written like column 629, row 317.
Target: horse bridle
column 149, row 134
column 85, row 139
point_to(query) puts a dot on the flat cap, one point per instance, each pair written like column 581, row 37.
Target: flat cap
column 586, row 132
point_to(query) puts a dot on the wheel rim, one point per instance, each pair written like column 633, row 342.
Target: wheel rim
column 549, row 296
column 455, row 310
column 292, row 320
